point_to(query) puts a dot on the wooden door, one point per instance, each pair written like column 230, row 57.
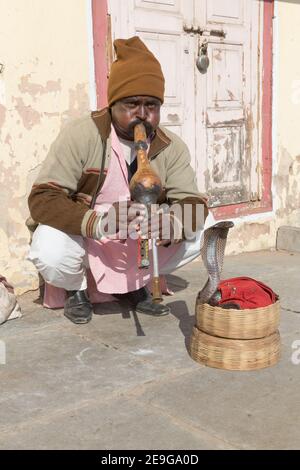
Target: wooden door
column 214, row 112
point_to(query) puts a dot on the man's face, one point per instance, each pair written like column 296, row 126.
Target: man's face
column 128, row 112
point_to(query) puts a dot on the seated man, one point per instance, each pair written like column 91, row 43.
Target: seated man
column 84, row 183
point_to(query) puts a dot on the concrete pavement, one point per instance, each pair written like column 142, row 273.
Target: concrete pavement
column 126, row 381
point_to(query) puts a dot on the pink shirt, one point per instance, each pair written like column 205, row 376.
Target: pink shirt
column 113, row 263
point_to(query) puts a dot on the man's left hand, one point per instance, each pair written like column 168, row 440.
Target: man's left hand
column 159, row 226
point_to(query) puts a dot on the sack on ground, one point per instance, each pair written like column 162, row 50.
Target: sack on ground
column 9, row 307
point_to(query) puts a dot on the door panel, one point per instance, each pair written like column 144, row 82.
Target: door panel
column 225, row 76
column 220, row 11
column 165, row 5
column 227, row 170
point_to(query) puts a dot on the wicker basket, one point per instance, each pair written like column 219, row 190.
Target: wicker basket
column 234, row 354
column 238, row 324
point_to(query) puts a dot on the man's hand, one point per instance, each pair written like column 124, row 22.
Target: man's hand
column 120, row 218
column 162, row 227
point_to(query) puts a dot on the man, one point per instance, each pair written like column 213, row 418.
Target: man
column 83, row 185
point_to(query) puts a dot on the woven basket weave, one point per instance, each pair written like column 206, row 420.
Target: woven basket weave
column 234, row 354
column 238, row 324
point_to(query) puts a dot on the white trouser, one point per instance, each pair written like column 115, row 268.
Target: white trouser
column 61, row 259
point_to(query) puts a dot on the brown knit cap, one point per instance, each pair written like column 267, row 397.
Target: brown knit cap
column 135, row 72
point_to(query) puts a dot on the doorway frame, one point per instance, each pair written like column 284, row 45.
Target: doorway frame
column 102, row 58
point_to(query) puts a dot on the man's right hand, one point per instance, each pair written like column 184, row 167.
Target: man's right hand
column 120, row 218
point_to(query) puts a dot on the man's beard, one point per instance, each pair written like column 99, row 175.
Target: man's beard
column 148, row 127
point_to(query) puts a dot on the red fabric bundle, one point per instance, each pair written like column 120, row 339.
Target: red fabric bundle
column 245, row 292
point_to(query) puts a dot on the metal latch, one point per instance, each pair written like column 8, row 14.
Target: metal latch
column 202, row 61
column 204, row 32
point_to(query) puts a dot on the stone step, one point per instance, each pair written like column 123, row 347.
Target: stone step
column 288, row 238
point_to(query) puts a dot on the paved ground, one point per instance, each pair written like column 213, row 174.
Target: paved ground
column 126, row 381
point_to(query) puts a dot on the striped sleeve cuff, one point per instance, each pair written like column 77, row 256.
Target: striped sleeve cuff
column 90, row 223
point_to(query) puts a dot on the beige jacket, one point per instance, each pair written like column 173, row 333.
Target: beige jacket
column 69, row 177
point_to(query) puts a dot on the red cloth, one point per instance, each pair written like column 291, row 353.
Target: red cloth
column 246, row 293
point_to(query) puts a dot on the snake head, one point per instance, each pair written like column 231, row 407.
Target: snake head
column 223, row 228
column 226, row 224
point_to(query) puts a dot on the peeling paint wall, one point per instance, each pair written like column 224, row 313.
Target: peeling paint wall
column 261, row 233
column 258, row 233
column 287, row 161
column 45, row 83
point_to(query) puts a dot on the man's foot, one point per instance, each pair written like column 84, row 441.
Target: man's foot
column 141, row 300
column 78, row 308
column 150, row 308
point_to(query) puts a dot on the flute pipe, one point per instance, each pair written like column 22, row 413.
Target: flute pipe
column 155, row 258
column 143, row 254
column 156, row 290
